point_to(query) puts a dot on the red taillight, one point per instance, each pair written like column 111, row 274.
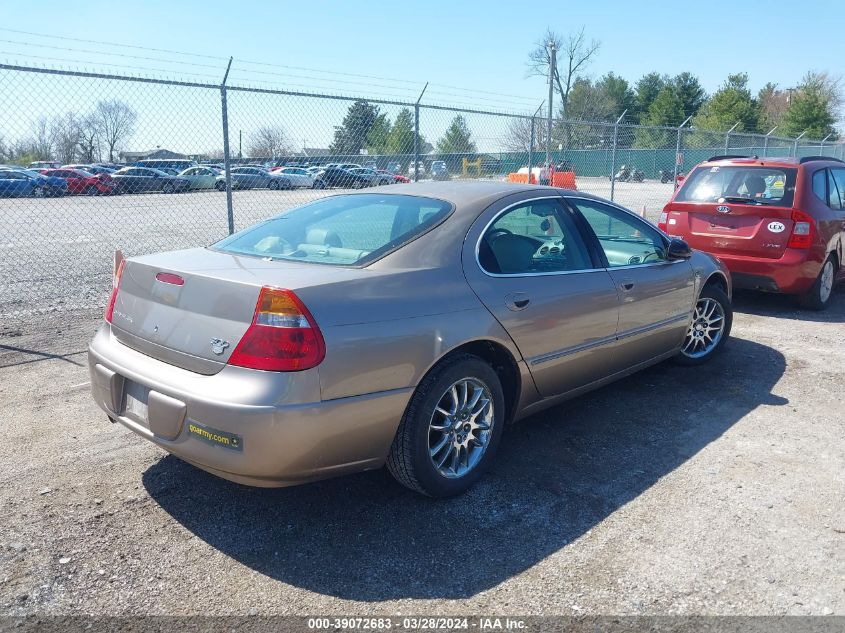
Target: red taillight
column 115, row 286
column 802, row 230
column 661, row 223
column 170, row 278
column 282, row 336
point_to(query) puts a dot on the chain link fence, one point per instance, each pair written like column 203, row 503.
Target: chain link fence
column 92, row 162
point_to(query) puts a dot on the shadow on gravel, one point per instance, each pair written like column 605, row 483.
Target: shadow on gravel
column 557, row 475
column 788, row 307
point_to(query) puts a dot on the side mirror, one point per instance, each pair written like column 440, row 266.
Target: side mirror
column 678, row 249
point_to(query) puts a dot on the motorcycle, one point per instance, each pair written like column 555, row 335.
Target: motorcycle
column 666, row 175
column 629, row 174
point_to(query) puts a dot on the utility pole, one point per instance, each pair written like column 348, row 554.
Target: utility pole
column 613, row 154
column 552, row 70
column 240, row 143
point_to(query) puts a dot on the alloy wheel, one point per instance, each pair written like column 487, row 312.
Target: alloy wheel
column 826, row 285
column 706, row 328
column 460, row 428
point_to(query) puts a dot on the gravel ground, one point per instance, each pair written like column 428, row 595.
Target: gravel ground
column 710, row 490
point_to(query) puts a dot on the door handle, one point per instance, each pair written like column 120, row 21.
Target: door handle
column 516, row 301
column 626, row 285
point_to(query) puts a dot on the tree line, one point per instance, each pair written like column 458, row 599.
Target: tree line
column 72, row 137
column 812, row 107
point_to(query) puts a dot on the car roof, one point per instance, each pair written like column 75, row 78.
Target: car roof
column 769, row 161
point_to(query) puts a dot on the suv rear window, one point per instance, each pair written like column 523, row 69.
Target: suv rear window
column 346, row 230
column 763, row 185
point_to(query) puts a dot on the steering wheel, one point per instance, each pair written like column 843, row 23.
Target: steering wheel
column 497, row 233
column 654, row 254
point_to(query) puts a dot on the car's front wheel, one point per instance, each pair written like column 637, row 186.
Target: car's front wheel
column 818, row 297
column 709, row 327
column 168, row 188
column 451, row 428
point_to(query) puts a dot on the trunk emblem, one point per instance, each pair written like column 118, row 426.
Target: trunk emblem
column 723, row 209
column 218, row 345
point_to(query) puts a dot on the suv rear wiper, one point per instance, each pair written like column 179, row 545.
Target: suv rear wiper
column 741, row 200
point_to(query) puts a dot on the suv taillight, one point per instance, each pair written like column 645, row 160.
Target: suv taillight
column 282, row 336
column 802, row 230
column 115, row 287
column 661, row 223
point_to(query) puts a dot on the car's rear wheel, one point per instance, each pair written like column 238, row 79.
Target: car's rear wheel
column 220, row 185
column 357, row 184
column 167, row 188
column 91, row 190
column 318, row 184
column 451, row 428
column 38, row 192
column 709, row 328
column 273, row 184
column 818, row 297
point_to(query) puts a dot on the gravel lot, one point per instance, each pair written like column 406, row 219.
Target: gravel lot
column 62, row 248
column 711, row 490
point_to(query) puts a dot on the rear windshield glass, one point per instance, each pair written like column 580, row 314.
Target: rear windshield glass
column 350, row 230
column 763, row 185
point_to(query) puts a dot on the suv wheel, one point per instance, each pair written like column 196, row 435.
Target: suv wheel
column 818, row 297
column 451, row 428
column 709, row 328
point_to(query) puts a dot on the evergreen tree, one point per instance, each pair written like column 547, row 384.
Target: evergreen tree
column 400, row 140
column 457, row 139
column 351, row 136
column 730, row 104
column 689, row 92
column 378, row 135
column 646, row 90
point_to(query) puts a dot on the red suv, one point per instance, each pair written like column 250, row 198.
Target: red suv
column 80, row 181
column 778, row 224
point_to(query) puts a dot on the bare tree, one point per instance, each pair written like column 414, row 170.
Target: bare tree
column 269, row 142
column 66, row 134
column 41, row 144
column 116, row 122
column 518, row 135
column 89, row 138
column 573, row 55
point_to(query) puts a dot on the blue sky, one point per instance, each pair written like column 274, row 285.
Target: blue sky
column 473, row 53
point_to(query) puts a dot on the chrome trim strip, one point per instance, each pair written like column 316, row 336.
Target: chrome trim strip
column 609, row 339
column 572, row 350
column 654, row 326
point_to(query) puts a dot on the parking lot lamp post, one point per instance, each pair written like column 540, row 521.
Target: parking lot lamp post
column 678, row 150
column 766, row 141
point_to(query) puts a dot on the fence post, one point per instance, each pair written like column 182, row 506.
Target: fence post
column 613, row 155
column 531, row 142
column 821, row 145
column 417, row 134
column 795, row 143
column 766, row 141
column 728, row 136
column 552, row 68
column 678, row 151
column 230, row 214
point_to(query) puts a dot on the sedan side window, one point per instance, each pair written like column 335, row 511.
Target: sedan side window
column 625, row 239
column 537, row 237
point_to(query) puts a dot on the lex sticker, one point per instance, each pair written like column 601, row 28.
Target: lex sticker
column 777, row 227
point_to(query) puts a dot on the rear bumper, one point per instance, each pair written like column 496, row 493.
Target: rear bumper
column 793, row 273
column 253, row 427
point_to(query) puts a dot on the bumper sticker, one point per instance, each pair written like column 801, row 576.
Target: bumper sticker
column 218, row 438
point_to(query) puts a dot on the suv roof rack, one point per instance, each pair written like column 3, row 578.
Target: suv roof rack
column 730, row 156
column 808, row 159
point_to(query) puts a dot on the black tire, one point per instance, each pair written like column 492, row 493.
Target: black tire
column 814, row 298
column 91, row 190
column 220, row 185
column 717, row 294
column 410, row 461
column 358, row 184
column 168, row 188
column 273, row 184
column 318, row 184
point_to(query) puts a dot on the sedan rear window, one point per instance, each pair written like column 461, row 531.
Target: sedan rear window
column 350, row 230
column 752, row 184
